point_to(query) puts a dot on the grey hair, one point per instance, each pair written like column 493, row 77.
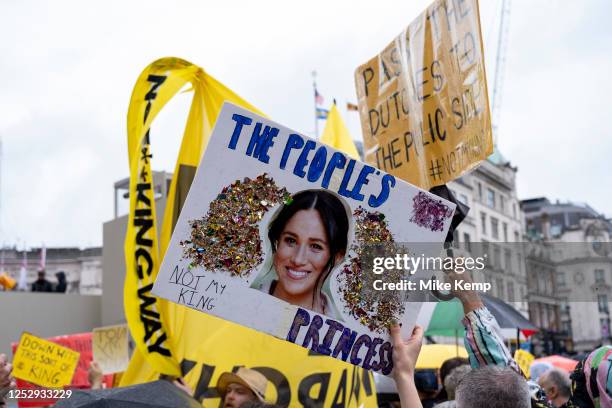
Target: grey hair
column 452, row 380
column 560, row 379
column 493, row 387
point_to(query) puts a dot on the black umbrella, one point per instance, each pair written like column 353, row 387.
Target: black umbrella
column 155, row 394
column 506, row 315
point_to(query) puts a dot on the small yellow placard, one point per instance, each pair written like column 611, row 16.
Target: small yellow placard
column 110, row 348
column 524, row 360
column 43, row 362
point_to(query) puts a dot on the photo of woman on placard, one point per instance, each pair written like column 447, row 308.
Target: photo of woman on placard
column 308, row 238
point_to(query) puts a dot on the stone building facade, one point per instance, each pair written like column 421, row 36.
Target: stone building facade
column 83, row 267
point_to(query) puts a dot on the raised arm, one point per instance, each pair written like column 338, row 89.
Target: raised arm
column 405, row 354
column 483, row 339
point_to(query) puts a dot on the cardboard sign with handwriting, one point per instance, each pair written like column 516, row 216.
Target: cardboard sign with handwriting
column 423, row 99
column 110, row 348
column 44, row 363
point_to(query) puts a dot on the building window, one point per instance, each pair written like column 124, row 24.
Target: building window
column 508, row 261
column 483, row 222
column 516, row 236
column 561, row 279
column 485, row 250
column 505, row 229
column 500, row 288
column 494, row 228
column 599, row 276
column 510, row 292
column 605, row 327
column 479, row 192
column 490, row 198
column 466, row 241
column 496, row 256
column 602, row 303
column 456, row 239
column 567, row 327
column 519, row 261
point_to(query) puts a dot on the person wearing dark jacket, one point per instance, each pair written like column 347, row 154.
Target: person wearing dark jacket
column 61, row 282
column 42, row 284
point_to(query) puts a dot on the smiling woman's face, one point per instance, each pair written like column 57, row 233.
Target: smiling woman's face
column 301, row 256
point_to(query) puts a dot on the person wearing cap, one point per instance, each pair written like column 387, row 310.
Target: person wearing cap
column 242, row 386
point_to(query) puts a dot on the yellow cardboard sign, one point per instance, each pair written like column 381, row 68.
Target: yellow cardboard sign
column 43, row 362
column 110, row 348
column 423, row 100
column 524, row 360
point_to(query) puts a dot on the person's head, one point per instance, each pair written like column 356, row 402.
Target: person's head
column 308, row 237
column 61, row 276
column 41, row 274
column 453, row 379
column 242, row 386
column 448, row 366
column 556, row 385
column 493, row 387
column 426, row 383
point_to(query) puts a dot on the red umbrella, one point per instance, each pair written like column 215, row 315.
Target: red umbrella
column 541, row 365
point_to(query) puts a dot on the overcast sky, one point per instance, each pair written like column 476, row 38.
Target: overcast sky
column 67, row 71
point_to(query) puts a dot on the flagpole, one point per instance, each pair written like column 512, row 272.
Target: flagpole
column 314, row 97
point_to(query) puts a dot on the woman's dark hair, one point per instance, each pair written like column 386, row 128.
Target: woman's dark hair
column 448, row 366
column 334, row 218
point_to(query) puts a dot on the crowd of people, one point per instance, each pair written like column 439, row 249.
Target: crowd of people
column 490, row 378
column 494, row 379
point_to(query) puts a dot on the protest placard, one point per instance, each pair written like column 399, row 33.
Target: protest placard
column 79, row 342
column 524, row 359
column 271, row 237
column 110, row 347
column 423, row 100
column 43, row 362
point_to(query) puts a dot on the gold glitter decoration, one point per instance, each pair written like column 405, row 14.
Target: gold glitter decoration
column 378, row 310
column 227, row 237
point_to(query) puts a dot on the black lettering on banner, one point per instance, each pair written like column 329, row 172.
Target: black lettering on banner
column 339, row 400
column 356, row 387
column 280, row 382
column 144, row 254
column 154, row 337
column 306, row 386
column 203, row 389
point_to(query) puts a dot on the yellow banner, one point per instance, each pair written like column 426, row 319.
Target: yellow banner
column 43, row 362
column 110, row 348
column 423, row 100
column 198, row 342
column 524, row 360
column 296, row 377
